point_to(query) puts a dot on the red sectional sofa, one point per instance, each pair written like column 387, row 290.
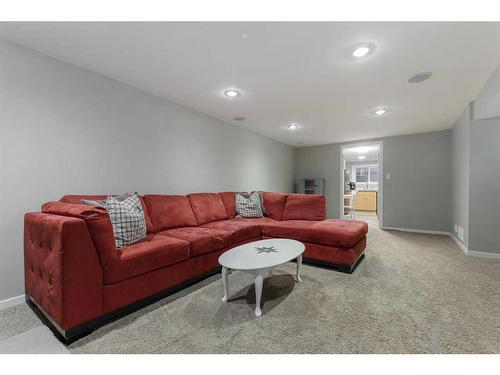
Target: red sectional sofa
column 77, row 280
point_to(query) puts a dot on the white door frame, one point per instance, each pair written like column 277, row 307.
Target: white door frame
column 380, row 203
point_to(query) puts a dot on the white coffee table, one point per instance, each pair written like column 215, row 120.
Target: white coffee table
column 258, row 258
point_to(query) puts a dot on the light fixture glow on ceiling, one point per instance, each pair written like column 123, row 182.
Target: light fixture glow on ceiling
column 380, row 111
column 361, row 157
column 361, row 51
column 363, row 149
column 293, row 126
column 231, row 93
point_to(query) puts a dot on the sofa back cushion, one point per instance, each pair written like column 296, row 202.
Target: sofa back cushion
column 169, row 211
column 98, row 224
column 207, row 207
column 274, row 203
column 229, row 200
column 305, row 207
column 78, row 199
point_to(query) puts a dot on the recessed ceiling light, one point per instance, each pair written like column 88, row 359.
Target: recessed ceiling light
column 361, row 157
column 420, row 77
column 239, row 118
column 293, row 126
column 380, row 111
column 231, row 93
column 361, row 51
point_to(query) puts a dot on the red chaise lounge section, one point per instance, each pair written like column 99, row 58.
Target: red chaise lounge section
column 77, row 280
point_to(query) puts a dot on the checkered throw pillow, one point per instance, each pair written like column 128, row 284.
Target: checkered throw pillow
column 261, row 196
column 248, row 206
column 127, row 218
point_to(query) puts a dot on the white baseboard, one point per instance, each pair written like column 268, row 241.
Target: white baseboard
column 11, row 301
column 483, row 254
column 465, row 250
column 473, row 253
column 459, row 243
column 425, row 231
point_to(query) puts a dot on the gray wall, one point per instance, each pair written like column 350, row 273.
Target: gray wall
column 322, row 162
column 475, row 171
column 460, row 175
column 66, row 130
column 484, row 196
column 484, row 171
column 418, row 194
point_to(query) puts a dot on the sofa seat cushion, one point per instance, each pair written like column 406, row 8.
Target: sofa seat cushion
column 239, row 229
column 150, row 254
column 201, row 240
column 207, row 207
column 338, row 233
column 345, row 256
column 169, row 211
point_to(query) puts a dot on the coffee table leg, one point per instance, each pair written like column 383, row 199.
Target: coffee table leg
column 258, row 293
column 299, row 265
column 225, row 282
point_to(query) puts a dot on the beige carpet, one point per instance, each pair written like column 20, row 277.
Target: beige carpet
column 413, row 293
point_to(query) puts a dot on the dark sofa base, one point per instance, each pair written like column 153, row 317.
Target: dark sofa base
column 69, row 336
column 338, row 267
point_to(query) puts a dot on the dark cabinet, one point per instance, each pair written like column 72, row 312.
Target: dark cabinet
column 311, row 186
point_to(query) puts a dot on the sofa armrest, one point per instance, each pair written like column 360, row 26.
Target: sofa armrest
column 62, row 271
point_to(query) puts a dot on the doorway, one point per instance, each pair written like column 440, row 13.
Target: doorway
column 361, row 172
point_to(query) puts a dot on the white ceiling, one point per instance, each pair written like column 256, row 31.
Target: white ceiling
column 288, row 72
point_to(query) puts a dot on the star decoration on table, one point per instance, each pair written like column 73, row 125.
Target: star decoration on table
column 267, row 250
